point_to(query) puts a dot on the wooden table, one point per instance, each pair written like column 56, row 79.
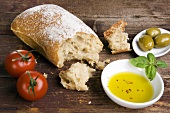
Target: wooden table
column 99, row 15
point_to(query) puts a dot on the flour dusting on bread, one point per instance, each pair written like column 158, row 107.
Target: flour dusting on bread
column 117, row 38
column 50, row 19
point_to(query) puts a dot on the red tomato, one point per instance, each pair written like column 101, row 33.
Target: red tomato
column 17, row 62
column 32, row 85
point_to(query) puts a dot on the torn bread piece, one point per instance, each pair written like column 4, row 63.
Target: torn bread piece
column 76, row 76
column 117, row 38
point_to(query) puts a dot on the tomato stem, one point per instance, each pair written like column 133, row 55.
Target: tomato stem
column 23, row 57
column 33, row 83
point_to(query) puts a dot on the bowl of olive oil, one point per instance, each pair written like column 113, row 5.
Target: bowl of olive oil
column 129, row 87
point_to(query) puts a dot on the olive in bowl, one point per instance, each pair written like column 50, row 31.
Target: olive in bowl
column 162, row 40
column 146, row 43
column 153, row 32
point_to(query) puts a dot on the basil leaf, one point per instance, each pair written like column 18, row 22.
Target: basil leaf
column 149, row 63
column 161, row 64
column 140, row 62
column 150, row 72
column 151, row 58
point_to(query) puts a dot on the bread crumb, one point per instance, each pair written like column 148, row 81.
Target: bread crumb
column 89, row 102
column 101, row 65
column 45, row 75
column 107, row 61
column 80, row 101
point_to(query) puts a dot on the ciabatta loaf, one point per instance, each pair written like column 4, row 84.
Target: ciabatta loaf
column 76, row 76
column 117, row 38
column 57, row 34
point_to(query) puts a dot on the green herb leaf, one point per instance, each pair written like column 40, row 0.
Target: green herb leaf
column 140, row 62
column 151, row 58
column 149, row 63
column 150, row 72
column 161, row 64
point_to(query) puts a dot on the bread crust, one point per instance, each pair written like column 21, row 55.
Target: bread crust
column 120, row 24
column 46, row 27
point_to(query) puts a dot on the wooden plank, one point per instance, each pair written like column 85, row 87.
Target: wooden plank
column 99, row 15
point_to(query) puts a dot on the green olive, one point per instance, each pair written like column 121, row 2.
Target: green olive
column 162, row 40
column 153, row 32
column 146, row 43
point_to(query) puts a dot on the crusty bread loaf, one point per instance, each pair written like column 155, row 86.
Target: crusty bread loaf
column 76, row 76
column 57, row 34
column 117, row 38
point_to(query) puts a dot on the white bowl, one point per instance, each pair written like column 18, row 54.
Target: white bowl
column 156, row 51
column 124, row 66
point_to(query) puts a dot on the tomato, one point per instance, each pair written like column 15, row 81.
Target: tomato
column 32, row 85
column 19, row 61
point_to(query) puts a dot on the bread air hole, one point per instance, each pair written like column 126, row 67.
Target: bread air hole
column 80, row 47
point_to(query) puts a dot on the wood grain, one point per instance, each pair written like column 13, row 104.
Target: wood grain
column 99, row 15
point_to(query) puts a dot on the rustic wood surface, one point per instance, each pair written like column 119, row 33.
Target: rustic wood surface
column 99, row 15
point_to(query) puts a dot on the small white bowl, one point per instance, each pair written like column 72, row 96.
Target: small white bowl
column 124, row 66
column 158, row 52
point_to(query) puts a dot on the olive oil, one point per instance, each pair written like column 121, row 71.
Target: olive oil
column 131, row 87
